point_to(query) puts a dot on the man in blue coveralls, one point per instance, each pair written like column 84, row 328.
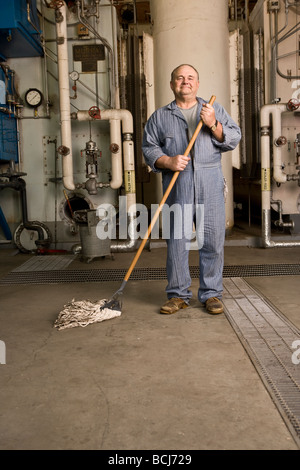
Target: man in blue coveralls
column 200, row 184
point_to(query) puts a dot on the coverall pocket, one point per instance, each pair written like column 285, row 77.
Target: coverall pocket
column 169, row 147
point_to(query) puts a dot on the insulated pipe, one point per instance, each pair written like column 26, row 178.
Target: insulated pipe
column 116, row 154
column 106, row 114
column 115, row 116
column 276, row 111
column 64, row 96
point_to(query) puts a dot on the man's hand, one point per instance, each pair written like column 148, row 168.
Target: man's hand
column 177, row 163
column 207, row 115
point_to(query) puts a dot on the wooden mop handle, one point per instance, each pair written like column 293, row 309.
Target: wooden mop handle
column 165, row 196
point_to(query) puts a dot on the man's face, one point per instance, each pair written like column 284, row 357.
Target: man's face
column 185, row 83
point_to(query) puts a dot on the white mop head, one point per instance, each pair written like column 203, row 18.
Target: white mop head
column 83, row 313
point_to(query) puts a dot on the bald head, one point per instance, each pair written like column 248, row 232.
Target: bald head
column 174, row 72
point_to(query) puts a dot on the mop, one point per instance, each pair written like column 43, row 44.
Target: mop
column 84, row 312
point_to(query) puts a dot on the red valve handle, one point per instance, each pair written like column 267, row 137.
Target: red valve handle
column 56, row 4
column 293, row 104
column 94, row 112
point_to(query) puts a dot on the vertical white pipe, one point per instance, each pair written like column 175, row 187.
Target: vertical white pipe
column 64, row 96
column 115, row 54
column 265, row 171
column 129, row 176
column 275, row 110
column 116, row 153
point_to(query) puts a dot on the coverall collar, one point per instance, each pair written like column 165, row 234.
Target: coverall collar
column 174, row 108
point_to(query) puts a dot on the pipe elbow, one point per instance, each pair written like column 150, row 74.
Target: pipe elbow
column 267, row 243
column 278, row 175
column 127, row 121
column 68, row 183
column 110, row 114
column 120, row 114
column 116, row 182
column 268, row 109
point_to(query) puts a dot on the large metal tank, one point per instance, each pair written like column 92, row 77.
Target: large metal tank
column 194, row 32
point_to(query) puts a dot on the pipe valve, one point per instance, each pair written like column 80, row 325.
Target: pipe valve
column 94, row 112
column 292, row 104
column 92, row 153
column 55, row 4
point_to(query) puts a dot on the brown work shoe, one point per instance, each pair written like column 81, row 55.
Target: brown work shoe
column 214, row 306
column 173, row 305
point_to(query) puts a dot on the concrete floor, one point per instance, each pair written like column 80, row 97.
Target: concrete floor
column 139, row 381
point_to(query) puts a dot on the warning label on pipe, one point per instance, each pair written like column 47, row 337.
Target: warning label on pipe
column 129, row 180
column 265, row 179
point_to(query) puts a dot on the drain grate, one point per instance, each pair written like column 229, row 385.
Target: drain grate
column 48, row 263
column 55, row 276
column 267, row 337
column 262, row 270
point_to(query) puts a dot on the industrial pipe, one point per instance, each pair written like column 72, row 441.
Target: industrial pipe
column 116, row 154
column 19, row 184
column 64, row 97
column 115, row 116
column 275, row 110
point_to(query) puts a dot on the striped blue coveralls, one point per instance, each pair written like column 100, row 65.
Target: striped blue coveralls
column 199, row 186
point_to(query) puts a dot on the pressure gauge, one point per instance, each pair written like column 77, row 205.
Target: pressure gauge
column 74, row 75
column 33, row 97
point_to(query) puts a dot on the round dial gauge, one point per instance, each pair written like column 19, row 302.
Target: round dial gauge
column 33, row 97
column 74, row 75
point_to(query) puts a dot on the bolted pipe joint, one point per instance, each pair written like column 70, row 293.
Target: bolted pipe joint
column 265, row 131
column 127, row 137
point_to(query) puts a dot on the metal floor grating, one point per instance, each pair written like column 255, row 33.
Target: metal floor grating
column 267, row 336
column 48, row 263
column 56, row 276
